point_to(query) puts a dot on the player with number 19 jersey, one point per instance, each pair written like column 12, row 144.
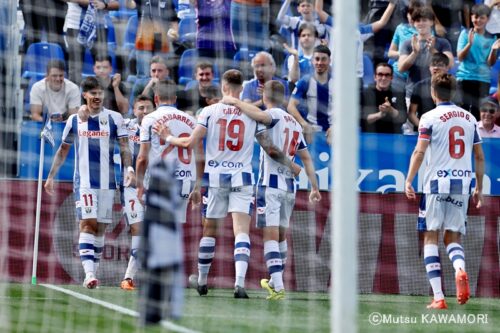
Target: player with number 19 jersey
column 181, row 125
column 452, row 133
column 229, row 146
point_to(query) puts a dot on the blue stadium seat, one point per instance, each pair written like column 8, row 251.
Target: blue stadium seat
column 111, row 33
column 368, row 70
column 37, row 56
column 187, row 29
column 287, row 35
column 130, row 33
column 186, row 65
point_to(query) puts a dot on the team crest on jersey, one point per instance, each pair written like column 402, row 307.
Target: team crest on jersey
column 103, row 121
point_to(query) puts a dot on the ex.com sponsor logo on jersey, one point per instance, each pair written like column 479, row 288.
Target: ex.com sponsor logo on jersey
column 225, row 164
column 454, row 173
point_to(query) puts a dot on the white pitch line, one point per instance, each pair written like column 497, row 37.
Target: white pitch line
column 164, row 323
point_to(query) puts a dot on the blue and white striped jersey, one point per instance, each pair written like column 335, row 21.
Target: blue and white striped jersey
column 94, row 141
column 285, row 133
column 452, row 132
column 229, row 146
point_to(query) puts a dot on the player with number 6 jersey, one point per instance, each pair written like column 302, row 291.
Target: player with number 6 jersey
column 450, row 137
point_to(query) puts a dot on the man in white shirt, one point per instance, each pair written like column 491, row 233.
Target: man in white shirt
column 55, row 94
column 451, row 136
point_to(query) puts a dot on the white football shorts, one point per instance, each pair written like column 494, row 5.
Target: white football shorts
column 132, row 207
column 446, row 211
column 223, row 200
column 95, row 204
column 274, row 207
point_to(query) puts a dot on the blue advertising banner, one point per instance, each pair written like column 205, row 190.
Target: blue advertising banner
column 383, row 160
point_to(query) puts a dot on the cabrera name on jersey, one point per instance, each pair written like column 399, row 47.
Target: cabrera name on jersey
column 180, row 125
column 94, row 141
column 229, row 146
column 452, row 132
column 285, row 133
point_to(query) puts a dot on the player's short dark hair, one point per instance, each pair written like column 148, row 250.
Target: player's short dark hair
column 444, row 86
column 310, row 27
column 89, row 83
column 212, row 92
column 383, row 64
column 480, row 9
column 322, row 49
column 103, row 57
column 203, row 65
column 158, row 60
column 414, row 5
column 166, row 90
column 143, row 98
column 439, row 58
column 275, row 92
column 423, row 13
column 233, row 77
column 55, row 63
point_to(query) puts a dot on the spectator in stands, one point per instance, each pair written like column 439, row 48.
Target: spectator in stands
column 299, row 60
column 489, row 111
column 250, row 23
column 194, row 97
column 493, row 25
column 477, row 51
column 75, row 50
column 404, row 31
column 421, row 100
column 383, row 108
column 158, row 71
column 264, row 69
column 451, row 16
column 378, row 43
column 293, row 23
column 115, row 92
column 158, row 25
column 40, row 16
column 214, row 38
column 311, row 100
column 415, row 53
column 54, row 95
column 365, row 31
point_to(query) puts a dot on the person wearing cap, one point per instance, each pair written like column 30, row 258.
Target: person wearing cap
column 488, row 112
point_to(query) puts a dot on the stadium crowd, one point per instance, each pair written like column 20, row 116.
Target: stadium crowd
column 183, row 56
column 131, row 45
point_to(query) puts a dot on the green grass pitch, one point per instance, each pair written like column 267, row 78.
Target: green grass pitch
column 38, row 309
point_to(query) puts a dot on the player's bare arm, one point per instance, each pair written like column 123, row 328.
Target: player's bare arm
column 477, row 195
column 249, row 109
column 140, row 168
column 417, row 157
column 276, row 154
column 126, row 157
column 59, row 159
column 195, row 195
column 187, row 142
column 306, row 159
